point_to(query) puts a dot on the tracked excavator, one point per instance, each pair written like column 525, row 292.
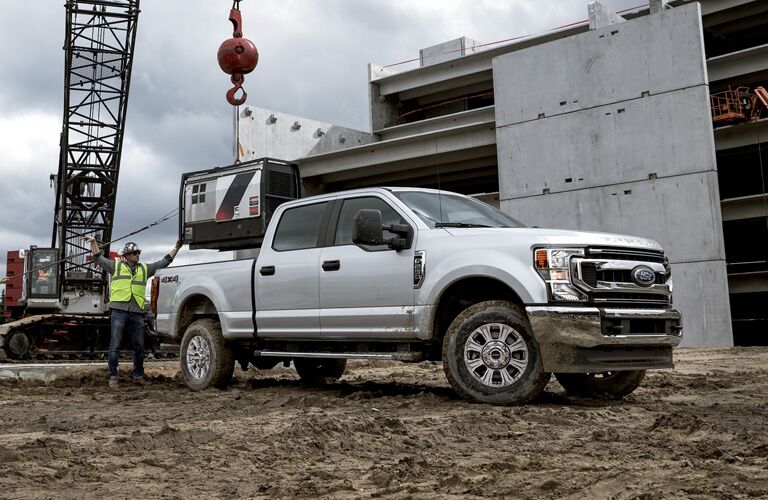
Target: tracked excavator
column 55, row 298
column 55, row 301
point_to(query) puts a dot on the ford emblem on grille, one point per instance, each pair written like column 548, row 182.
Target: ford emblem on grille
column 643, row 276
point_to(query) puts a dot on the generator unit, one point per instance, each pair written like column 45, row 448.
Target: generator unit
column 229, row 208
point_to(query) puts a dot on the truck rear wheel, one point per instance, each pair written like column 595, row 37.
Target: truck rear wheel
column 613, row 385
column 315, row 371
column 491, row 356
column 206, row 360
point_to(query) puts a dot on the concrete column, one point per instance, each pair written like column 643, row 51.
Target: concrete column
column 657, row 6
column 383, row 110
column 601, row 16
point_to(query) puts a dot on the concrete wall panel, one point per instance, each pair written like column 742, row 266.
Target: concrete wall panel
column 266, row 133
column 682, row 213
column 662, row 135
column 614, row 126
column 700, row 288
column 699, row 294
column 655, row 54
column 447, row 51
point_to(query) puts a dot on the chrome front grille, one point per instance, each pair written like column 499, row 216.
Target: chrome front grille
column 606, row 276
column 591, row 275
column 625, row 254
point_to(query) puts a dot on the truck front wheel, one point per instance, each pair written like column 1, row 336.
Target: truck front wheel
column 491, row 356
column 315, row 371
column 206, row 360
column 613, row 385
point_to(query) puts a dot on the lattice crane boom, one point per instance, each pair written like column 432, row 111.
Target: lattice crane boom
column 99, row 48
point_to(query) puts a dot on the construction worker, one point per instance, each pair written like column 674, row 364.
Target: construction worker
column 127, row 293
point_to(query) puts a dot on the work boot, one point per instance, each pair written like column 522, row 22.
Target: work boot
column 139, row 381
column 113, row 383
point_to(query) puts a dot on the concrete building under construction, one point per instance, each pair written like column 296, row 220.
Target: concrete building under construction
column 646, row 122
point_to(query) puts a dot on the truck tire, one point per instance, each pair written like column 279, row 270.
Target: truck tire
column 612, row 385
column 315, row 371
column 206, row 360
column 491, row 356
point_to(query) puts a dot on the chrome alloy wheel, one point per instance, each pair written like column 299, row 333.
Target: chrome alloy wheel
column 496, row 355
column 198, row 357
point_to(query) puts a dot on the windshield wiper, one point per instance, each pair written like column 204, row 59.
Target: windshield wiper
column 459, row 224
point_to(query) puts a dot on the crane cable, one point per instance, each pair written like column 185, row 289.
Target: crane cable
column 170, row 215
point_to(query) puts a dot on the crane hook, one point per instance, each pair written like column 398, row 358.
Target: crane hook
column 237, row 57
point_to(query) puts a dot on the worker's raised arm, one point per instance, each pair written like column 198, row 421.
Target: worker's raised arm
column 175, row 249
column 103, row 262
column 165, row 261
column 94, row 244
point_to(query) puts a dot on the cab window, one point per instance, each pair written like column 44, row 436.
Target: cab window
column 299, row 227
column 43, row 279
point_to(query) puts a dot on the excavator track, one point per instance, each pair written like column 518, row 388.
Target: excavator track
column 62, row 337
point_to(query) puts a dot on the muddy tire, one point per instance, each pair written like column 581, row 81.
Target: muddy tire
column 206, row 360
column 491, row 356
column 612, row 385
column 319, row 371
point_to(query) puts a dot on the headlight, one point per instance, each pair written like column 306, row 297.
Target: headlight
column 554, row 267
column 668, row 269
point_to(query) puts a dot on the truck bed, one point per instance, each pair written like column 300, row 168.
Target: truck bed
column 225, row 287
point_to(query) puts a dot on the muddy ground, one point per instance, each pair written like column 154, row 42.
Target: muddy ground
column 388, row 429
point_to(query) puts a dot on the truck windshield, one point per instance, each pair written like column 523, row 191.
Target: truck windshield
column 451, row 210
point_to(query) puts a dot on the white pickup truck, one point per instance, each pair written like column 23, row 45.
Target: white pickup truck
column 414, row 274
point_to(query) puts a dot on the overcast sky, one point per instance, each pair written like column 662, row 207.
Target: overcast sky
column 313, row 63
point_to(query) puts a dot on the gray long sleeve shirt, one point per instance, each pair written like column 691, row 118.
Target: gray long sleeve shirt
column 109, row 266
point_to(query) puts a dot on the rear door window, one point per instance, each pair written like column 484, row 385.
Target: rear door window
column 299, row 227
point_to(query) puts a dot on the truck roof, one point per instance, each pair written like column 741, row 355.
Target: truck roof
column 377, row 189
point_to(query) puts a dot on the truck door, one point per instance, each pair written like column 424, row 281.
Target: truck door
column 287, row 295
column 365, row 292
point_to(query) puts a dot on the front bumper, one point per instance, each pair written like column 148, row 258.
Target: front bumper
column 592, row 339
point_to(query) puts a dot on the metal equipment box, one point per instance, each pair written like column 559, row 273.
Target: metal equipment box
column 228, row 208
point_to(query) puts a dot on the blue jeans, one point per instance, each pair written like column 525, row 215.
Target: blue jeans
column 134, row 322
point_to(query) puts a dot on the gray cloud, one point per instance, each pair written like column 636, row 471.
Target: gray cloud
column 313, row 63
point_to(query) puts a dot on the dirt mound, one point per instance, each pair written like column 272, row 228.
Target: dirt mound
column 7, row 455
column 167, row 438
column 42, row 449
column 388, row 430
column 678, row 421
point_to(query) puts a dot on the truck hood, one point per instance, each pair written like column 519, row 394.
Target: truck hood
column 560, row 237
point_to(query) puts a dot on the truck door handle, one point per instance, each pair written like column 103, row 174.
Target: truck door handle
column 331, row 265
column 267, row 271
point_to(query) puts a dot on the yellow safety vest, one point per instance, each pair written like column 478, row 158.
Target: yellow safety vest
column 124, row 284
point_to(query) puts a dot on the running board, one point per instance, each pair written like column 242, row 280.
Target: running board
column 390, row 356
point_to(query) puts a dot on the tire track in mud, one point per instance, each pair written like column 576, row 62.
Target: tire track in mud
column 390, row 430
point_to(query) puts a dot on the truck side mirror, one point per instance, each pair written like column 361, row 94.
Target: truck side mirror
column 405, row 236
column 368, row 228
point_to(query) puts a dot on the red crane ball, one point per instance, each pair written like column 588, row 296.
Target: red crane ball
column 238, row 55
